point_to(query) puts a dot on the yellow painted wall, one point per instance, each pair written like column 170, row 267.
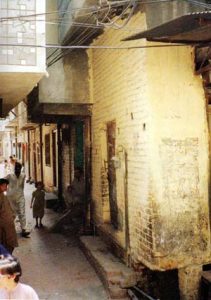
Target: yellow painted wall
column 48, row 169
column 119, row 93
column 159, row 107
column 178, row 158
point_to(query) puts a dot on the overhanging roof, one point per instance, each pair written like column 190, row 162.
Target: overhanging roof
column 190, row 28
column 59, row 112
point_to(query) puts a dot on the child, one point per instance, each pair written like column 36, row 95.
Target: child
column 10, row 287
column 38, row 203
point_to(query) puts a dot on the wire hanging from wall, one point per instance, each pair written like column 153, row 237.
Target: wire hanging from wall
column 114, row 23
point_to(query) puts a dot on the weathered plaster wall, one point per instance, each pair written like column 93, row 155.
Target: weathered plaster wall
column 68, row 80
column 178, row 158
column 48, row 168
column 119, row 93
column 51, row 28
column 159, row 108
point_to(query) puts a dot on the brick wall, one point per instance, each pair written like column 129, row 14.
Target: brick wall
column 119, row 93
column 155, row 99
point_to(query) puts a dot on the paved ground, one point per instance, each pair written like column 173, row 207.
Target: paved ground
column 54, row 265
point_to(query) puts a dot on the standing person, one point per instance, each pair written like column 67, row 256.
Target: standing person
column 10, row 287
column 16, row 196
column 38, row 204
column 12, row 162
column 8, row 236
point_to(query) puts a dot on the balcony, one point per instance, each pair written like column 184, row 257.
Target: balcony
column 22, row 63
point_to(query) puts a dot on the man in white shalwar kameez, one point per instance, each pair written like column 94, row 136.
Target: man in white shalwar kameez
column 15, row 195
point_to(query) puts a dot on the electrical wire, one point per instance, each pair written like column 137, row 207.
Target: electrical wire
column 81, row 40
column 90, row 25
column 82, row 37
column 77, row 39
column 66, row 40
column 121, row 16
column 95, row 47
column 93, row 8
column 101, row 23
column 198, row 3
column 104, row 18
column 83, row 24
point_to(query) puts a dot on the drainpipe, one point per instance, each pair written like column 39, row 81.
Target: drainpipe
column 11, row 139
column 121, row 149
column 29, row 160
column 16, row 142
column 59, row 155
column 41, row 153
column 88, row 171
column 127, row 230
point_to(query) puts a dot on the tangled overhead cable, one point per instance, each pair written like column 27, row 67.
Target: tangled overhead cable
column 114, row 15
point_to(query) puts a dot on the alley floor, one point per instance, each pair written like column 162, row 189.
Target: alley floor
column 53, row 264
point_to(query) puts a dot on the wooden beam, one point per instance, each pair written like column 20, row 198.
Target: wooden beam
column 67, row 109
column 203, row 69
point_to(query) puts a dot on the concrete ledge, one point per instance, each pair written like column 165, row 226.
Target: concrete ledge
column 115, row 276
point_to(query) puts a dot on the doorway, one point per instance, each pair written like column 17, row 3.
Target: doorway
column 54, row 150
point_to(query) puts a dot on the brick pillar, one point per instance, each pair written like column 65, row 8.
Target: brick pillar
column 189, row 280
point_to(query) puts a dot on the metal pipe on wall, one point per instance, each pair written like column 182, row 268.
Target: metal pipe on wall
column 41, row 153
column 29, row 160
column 127, row 230
column 60, row 174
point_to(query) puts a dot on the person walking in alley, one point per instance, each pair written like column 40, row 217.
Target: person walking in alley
column 38, row 204
column 8, row 236
column 10, row 287
column 16, row 196
column 11, row 165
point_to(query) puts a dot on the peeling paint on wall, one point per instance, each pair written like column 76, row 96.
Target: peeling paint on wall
column 180, row 169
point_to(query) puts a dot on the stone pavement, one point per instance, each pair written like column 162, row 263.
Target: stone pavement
column 53, row 264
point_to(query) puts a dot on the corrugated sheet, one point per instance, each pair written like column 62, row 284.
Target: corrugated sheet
column 190, row 28
column 159, row 13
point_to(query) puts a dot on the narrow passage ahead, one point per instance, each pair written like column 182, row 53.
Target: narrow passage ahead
column 53, row 264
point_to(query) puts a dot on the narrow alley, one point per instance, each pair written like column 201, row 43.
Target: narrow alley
column 53, row 264
column 107, row 105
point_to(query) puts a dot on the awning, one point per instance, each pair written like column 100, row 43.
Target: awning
column 188, row 29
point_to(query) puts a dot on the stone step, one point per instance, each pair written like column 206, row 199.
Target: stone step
column 115, row 275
